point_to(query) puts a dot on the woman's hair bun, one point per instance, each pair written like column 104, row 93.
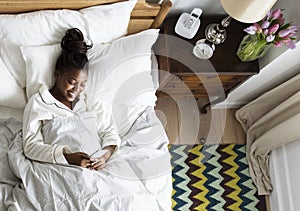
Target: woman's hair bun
column 74, row 49
column 73, row 41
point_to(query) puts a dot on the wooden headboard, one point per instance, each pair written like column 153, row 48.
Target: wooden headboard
column 143, row 16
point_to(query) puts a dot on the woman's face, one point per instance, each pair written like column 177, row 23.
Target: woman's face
column 69, row 84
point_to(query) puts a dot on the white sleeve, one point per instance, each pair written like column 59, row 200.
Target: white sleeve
column 106, row 128
column 34, row 147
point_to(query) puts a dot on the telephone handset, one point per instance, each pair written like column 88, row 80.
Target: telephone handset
column 188, row 24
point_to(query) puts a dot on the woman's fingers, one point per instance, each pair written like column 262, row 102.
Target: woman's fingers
column 99, row 167
column 85, row 163
column 78, row 158
column 97, row 163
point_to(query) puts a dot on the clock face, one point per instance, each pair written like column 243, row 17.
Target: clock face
column 203, row 50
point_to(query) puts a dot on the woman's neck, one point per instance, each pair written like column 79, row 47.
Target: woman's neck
column 58, row 97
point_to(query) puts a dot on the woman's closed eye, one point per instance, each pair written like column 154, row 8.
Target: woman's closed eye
column 72, row 82
column 76, row 84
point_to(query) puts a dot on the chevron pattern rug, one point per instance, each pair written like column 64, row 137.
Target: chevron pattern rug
column 213, row 178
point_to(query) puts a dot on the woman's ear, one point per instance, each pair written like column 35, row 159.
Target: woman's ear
column 56, row 74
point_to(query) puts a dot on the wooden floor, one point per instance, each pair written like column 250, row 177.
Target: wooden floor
column 185, row 125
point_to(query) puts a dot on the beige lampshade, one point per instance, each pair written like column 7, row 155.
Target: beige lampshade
column 247, row 11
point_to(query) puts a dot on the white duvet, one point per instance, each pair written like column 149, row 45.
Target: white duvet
column 135, row 178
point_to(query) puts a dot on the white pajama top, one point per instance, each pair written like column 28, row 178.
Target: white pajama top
column 42, row 109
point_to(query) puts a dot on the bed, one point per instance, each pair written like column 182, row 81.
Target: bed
column 123, row 74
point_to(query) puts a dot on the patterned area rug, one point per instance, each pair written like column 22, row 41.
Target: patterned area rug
column 213, row 178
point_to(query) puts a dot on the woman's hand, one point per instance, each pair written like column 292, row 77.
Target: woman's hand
column 78, row 159
column 99, row 163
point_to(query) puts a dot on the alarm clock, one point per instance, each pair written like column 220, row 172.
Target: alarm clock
column 204, row 49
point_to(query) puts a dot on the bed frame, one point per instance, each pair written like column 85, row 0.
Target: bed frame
column 143, row 16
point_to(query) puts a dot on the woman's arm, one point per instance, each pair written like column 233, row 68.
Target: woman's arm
column 106, row 128
column 33, row 140
column 36, row 149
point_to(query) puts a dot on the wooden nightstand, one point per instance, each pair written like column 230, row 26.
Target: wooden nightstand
column 186, row 75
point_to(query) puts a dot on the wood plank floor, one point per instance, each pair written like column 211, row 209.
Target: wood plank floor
column 185, row 125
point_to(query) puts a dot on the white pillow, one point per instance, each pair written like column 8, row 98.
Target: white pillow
column 11, row 95
column 108, row 22
column 12, row 58
column 102, row 23
column 120, row 72
column 40, row 66
column 40, row 27
column 35, row 28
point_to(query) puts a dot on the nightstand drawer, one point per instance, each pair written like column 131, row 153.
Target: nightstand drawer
column 200, row 85
column 194, row 81
column 196, row 84
column 196, row 89
column 212, row 78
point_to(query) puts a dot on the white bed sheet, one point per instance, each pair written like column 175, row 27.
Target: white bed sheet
column 10, row 112
column 138, row 177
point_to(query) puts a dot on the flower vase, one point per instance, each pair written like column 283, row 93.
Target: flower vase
column 252, row 47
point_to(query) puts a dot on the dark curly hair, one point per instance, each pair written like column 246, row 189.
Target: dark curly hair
column 73, row 55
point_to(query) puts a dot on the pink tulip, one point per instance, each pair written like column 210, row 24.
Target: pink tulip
column 273, row 28
column 268, row 15
column 265, row 24
column 276, row 13
column 258, row 27
column 251, row 29
column 290, row 44
column 293, row 34
column 286, row 39
column 285, row 32
column 278, row 44
column 281, row 19
column 266, row 31
column 270, row 38
column 294, row 28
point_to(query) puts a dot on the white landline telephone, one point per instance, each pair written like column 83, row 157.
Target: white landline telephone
column 188, row 24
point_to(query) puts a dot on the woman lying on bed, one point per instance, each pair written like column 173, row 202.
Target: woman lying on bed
column 58, row 127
